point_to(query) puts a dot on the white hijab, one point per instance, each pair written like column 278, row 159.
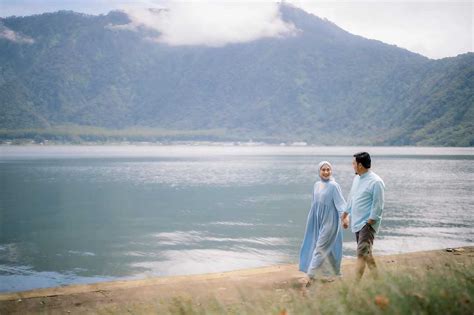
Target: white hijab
column 321, row 164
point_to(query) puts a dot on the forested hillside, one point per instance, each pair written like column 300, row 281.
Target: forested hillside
column 72, row 76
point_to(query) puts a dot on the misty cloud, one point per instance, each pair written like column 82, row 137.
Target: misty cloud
column 122, row 27
column 211, row 24
column 13, row 36
column 435, row 29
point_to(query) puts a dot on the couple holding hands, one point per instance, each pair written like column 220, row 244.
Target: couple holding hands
column 321, row 251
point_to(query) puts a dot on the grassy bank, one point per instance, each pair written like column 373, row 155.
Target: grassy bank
column 430, row 282
column 434, row 289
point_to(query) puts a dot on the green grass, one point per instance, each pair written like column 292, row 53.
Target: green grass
column 444, row 289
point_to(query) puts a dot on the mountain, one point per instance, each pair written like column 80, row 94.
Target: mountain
column 68, row 71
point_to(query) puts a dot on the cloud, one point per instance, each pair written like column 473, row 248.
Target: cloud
column 13, row 36
column 211, row 23
column 435, row 29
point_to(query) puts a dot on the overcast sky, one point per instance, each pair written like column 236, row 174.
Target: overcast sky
column 435, row 29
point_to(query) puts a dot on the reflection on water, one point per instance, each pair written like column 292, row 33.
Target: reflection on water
column 198, row 261
column 87, row 214
column 195, row 237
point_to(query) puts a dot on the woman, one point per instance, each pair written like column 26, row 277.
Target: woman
column 321, row 251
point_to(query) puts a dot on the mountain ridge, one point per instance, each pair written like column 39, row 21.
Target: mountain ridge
column 324, row 85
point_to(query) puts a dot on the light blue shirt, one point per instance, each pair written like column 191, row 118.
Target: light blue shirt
column 366, row 201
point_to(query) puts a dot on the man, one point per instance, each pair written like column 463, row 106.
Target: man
column 365, row 206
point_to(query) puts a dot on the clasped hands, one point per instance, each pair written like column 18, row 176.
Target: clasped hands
column 345, row 222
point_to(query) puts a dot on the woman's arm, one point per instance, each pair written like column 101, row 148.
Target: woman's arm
column 338, row 199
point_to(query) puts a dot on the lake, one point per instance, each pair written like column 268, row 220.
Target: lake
column 82, row 214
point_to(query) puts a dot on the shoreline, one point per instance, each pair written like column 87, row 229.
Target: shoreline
column 226, row 287
column 230, row 143
column 132, row 283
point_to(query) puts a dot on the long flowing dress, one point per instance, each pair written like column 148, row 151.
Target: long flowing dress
column 321, row 251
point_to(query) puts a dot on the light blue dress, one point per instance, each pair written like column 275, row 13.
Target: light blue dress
column 321, row 251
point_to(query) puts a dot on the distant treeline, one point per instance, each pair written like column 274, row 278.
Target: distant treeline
column 74, row 134
column 79, row 134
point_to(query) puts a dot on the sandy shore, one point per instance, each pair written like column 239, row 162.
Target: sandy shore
column 152, row 294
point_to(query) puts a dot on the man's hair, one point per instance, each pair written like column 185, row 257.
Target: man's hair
column 363, row 158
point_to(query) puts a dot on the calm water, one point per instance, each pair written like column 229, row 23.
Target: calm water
column 78, row 214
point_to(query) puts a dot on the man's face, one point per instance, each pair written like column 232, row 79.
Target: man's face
column 355, row 166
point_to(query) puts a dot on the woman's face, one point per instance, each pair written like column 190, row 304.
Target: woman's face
column 325, row 172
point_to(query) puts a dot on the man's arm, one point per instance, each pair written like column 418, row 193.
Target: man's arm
column 377, row 203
